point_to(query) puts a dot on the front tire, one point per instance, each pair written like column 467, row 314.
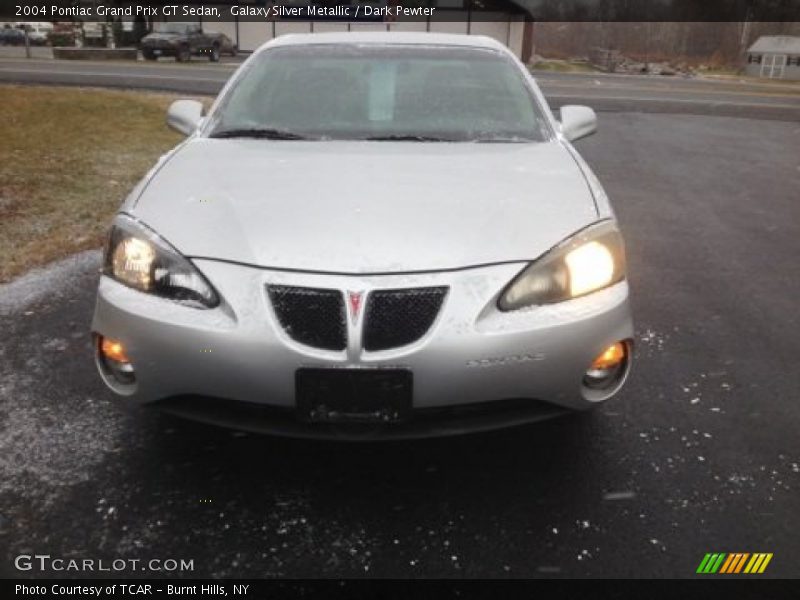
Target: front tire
column 183, row 54
column 148, row 55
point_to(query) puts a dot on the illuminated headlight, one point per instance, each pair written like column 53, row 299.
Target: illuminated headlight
column 139, row 258
column 589, row 261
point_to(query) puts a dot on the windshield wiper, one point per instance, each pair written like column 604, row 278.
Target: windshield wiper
column 406, row 138
column 259, row 133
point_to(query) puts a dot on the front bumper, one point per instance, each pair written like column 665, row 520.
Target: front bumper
column 473, row 353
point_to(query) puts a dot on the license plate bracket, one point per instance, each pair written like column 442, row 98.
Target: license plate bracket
column 353, row 395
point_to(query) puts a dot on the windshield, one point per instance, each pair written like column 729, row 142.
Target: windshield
column 381, row 92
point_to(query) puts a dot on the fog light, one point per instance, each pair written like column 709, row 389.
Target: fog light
column 116, row 361
column 607, row 367
column 610, row 357
column 113, row 350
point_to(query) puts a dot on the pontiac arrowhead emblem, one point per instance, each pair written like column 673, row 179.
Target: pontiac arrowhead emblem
column 354, row 301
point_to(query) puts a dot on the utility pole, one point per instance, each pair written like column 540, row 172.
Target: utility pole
column 745, row 32
column 27, row 42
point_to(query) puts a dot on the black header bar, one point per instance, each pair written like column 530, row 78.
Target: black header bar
column 403, row 10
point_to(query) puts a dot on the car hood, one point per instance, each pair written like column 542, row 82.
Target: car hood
column 366, row 207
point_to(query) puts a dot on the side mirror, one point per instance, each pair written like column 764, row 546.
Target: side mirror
column 185, row 115
column 577, row 122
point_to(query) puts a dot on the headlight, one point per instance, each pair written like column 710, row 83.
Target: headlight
column 589, row 261
column 139, row 258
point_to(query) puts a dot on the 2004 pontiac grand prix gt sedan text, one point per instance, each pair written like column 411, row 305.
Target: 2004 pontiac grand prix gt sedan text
column 376, row 235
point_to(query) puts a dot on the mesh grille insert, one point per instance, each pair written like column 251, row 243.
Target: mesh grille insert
column 311, row 316
column 399, row 317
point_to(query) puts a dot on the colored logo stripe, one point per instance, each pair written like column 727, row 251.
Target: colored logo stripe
column 703, row 563
column 758, row 563
column 727, row 564
column 740, row 564
column 734, row 562
column 711, row 563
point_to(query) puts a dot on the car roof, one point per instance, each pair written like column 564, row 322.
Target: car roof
column 387, row 37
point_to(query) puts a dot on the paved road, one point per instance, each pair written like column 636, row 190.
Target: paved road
column 700, row 452
column 626, row 93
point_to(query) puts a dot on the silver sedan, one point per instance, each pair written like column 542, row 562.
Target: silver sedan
column 368, row 235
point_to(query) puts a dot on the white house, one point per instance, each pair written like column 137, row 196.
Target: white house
column 774, row 56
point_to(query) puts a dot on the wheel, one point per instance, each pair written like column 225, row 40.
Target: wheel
column 213, row 56
column 184, row 54
column 148, row 55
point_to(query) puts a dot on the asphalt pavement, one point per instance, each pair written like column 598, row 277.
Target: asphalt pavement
column 700, row 452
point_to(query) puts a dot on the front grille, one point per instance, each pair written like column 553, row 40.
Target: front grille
column 314, row 317
column 399, row 317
